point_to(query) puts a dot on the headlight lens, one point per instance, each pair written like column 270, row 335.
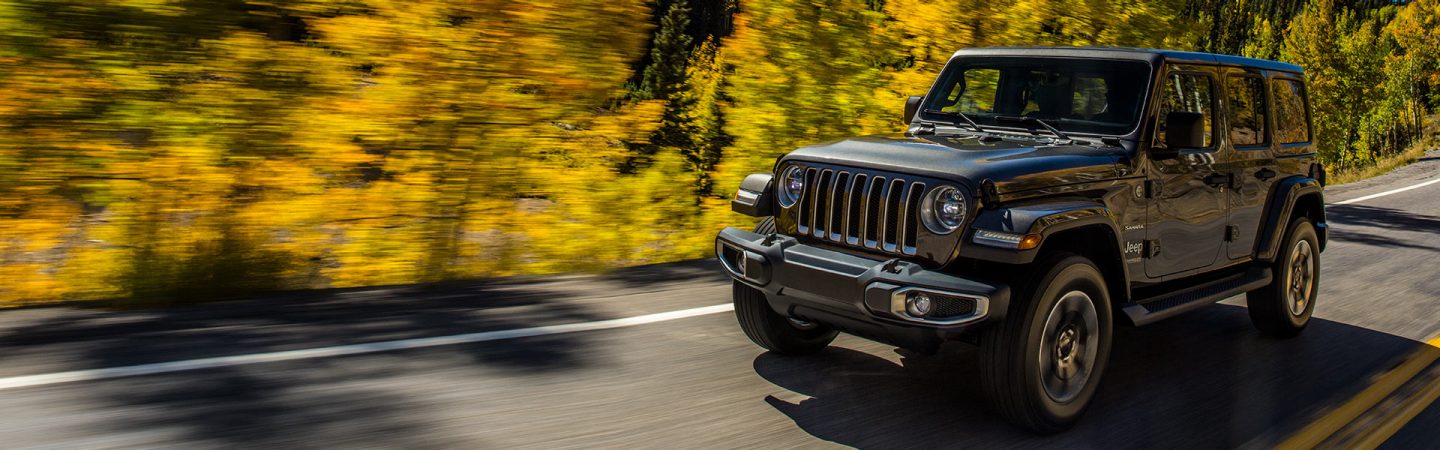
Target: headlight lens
column 792, row 186
column 943, row 210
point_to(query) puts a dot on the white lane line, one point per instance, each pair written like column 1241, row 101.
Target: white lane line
column 1392, row 191
column 344, row 350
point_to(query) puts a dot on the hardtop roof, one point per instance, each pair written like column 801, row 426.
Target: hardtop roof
column 1145, row 54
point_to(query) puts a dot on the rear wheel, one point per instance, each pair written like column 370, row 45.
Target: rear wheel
column 1041, row 365
column 773, row 331
column 1283, row 308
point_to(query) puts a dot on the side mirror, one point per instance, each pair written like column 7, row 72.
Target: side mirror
column 912, row 106
column 1183, row 130
column 755, row 197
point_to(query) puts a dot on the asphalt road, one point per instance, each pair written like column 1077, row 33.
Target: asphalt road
column 1202, row 380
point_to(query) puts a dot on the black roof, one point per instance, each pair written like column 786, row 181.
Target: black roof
column 1145, row 54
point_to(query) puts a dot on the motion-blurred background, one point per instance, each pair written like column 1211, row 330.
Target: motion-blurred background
column 167, row 150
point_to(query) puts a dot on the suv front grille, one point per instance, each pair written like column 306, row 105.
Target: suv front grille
column 861, row 209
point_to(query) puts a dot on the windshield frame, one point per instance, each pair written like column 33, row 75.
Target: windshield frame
column 959, row 63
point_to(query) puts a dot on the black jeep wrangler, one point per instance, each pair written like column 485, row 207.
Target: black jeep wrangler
column 1040, row 195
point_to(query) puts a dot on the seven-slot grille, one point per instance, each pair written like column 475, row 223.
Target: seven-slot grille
column 860, row 209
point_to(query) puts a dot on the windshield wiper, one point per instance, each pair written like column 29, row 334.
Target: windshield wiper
column 1034, row 120
column 956, row 115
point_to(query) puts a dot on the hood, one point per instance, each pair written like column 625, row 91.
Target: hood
column 1013, row 163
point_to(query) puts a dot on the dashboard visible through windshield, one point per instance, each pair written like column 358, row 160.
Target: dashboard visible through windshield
column 1074, row 95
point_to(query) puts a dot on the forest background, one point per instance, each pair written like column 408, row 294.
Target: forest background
column 172, row 150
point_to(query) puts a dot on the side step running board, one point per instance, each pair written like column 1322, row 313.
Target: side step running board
column 1171, row 304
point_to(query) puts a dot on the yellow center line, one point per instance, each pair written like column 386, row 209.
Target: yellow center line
column 1396, row 419
column 1387, row 383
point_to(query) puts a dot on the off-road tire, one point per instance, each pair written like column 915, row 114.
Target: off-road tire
column 1010, row 358
column 775, row 332
column 766, row 226
column 770, row 330
column 1271, row 308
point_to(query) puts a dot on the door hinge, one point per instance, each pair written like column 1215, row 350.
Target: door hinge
column 1152, row 248
column 1232, row 233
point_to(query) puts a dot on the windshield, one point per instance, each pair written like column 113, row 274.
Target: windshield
column 1076, row 95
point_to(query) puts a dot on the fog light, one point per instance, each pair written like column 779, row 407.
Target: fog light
column 918, row 304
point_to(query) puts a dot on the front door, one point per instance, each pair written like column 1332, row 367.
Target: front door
column 1186, row 217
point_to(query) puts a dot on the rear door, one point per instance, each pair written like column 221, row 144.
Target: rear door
column 1248, row 157
column 1185, row 220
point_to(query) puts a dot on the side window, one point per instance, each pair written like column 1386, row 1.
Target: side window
column 1189, row 92
column 1290, row 124
column 1089, row 97
column 976, row 93
column 1246, row 97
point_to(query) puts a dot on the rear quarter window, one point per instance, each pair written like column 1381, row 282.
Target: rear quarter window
column 1291, row 124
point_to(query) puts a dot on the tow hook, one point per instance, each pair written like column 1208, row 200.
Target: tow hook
column 770, row 239
column 891, row 266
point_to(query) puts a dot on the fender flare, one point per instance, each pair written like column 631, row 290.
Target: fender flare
column 1287, row 194
column 1045, row 219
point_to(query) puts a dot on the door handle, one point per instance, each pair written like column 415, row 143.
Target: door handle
column 1264, row 174
column 1218, row 179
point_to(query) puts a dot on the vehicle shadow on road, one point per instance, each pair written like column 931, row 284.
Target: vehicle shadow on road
column 1202, row 380
column 351, row 399
column 1348, row 223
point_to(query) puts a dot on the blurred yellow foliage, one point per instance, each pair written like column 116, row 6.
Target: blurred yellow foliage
column 181, row 150
column 163, row 149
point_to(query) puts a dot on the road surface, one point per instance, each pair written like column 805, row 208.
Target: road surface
column 302, row 370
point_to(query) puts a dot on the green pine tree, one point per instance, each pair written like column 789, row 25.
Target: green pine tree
column 704, row 94
column 666, row 78
column 668, row 54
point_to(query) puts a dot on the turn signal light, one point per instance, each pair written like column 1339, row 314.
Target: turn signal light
column 1029, row 241
column 1002, row 239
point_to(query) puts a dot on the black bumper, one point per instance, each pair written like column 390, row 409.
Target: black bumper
column 855, row 294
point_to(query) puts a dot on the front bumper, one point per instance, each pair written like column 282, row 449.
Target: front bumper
column 855, row 294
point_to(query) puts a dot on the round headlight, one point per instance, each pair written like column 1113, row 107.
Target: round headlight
column 792, row 186
column 943, row 210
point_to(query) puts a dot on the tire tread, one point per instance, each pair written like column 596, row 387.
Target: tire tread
column 1003, row 376
column 1267, row 306
column 769, row 330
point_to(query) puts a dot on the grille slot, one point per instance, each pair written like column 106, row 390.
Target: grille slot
column 854, row 204
column 860, row 209
column 839, row 198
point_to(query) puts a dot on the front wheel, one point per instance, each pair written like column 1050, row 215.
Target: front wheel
column 1283, row 308
column 1041, row 365
column 773, row 331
